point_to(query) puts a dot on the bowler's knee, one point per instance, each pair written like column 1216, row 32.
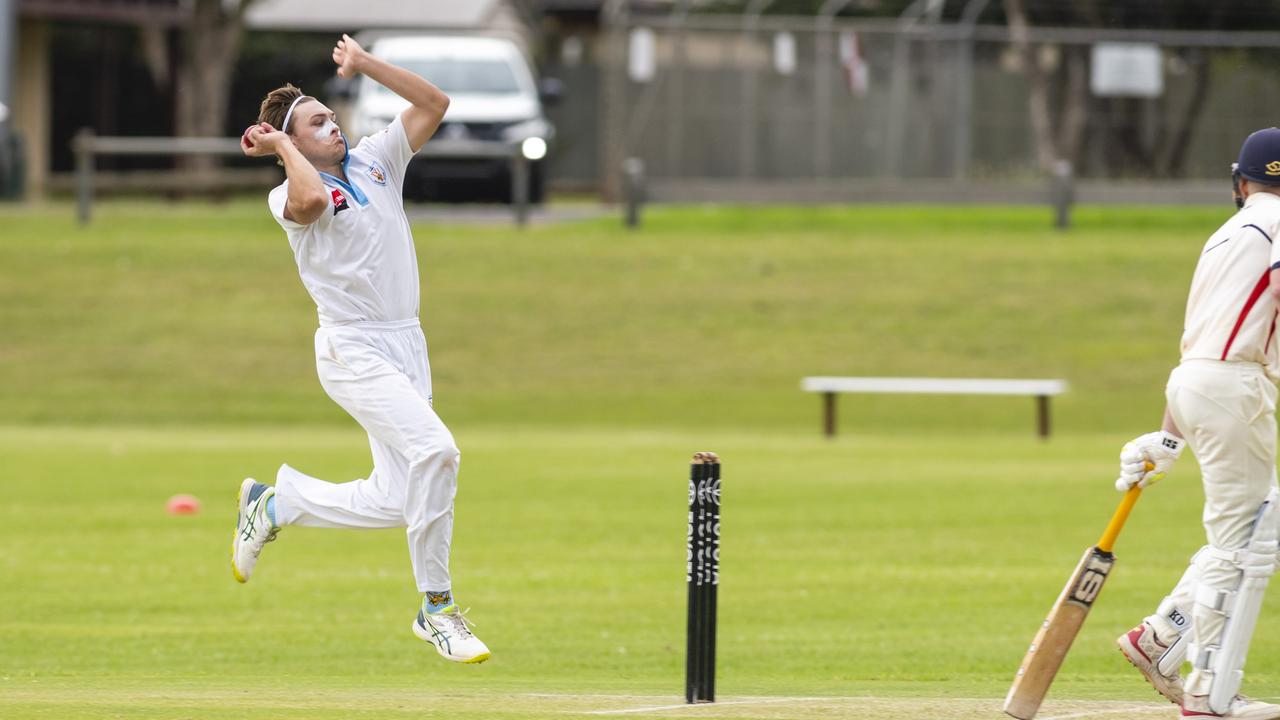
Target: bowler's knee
column 441, row 451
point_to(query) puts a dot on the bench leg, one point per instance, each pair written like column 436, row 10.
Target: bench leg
column 829, row 414
column 1042, row 416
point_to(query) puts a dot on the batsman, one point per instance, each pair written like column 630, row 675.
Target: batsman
column 1221, row 402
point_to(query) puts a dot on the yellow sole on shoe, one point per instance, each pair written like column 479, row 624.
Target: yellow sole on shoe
column 234, row 570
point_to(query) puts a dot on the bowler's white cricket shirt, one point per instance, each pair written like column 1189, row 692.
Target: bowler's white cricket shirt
column 1230, row 313
column 357, row 261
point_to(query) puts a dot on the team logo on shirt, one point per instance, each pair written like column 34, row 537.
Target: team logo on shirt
column 375, row 172
column 339, row 201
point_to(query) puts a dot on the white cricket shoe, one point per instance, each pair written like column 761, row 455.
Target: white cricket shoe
column 447, row 630
column 253, row 527
column 1242, row 708
column 1143, row 649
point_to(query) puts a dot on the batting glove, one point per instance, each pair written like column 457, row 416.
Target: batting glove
column 1160, row 449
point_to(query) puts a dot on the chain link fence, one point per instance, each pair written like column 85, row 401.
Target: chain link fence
column 730, row 107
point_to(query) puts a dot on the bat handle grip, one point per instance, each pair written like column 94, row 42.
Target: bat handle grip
column 1108, row 539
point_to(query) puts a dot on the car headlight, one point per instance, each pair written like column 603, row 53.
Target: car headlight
column 533, row 148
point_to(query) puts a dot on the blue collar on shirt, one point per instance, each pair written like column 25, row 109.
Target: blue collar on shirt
column 354, row 191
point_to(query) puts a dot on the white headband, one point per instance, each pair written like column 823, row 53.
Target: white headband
column 289, row 114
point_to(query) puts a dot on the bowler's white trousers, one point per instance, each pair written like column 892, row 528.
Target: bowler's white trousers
column 1226, row 411
column 379, row 373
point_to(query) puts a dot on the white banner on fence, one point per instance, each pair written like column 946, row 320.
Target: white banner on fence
column 784, row 53
column 1127, row 70
column 641, row 55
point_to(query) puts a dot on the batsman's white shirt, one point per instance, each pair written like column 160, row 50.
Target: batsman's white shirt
column 358, row 263
column 1230, row 315
column 1223, row 399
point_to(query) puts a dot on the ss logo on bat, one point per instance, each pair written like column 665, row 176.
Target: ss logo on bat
column 1091, row 579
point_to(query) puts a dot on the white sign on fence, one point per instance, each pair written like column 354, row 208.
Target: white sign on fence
column 641, row 55
column 1127, row 70
column 784, row 53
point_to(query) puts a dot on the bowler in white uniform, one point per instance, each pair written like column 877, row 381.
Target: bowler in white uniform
column 1221, row 401
column 343, row 213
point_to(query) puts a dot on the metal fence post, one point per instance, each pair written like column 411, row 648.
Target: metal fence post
column 633, row 181
column 1063, row 194
column 747, row 124
column 8, row 73
column 824, row 29
column 822, row 98
column 963, row 147
column 962, row 138
column 82, row 146
column 674, row 77
column 747, row 128
column 520, row 186
column 898, row 116
column 614, row 120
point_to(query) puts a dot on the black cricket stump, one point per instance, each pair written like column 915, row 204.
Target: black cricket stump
column 702, row 573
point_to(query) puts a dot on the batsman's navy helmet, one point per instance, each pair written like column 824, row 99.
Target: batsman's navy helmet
column 1260, row 157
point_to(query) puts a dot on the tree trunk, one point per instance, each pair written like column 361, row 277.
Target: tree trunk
column 210, row 46
column 1075, row 105
column 1132, row 151
column 1123, row 125
column 1047, row 153
column 1174, row 156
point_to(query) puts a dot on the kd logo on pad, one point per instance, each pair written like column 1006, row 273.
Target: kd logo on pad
column 339, row 201
column 375, row 172
column 1273, row 167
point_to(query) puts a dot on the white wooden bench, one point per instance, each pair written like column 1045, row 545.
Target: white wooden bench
column 1042, row 390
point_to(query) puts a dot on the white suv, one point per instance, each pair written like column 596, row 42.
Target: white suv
column 495, row 105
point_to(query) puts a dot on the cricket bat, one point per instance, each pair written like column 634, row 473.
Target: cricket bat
column 1050, row 645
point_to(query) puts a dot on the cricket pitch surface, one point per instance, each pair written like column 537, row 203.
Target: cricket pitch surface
column 395, row 703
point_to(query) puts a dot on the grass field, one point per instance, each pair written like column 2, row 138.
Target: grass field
column 196, row 315
column 897, row 572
